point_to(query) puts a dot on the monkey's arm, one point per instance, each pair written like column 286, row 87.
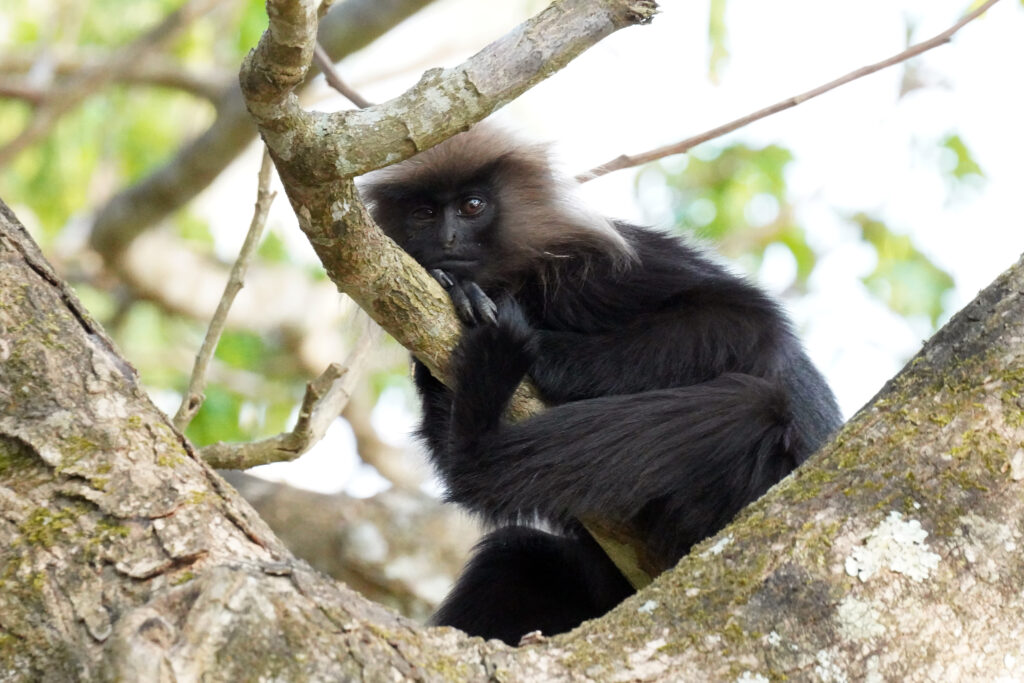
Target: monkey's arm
column 437, row 408
column 674, row 347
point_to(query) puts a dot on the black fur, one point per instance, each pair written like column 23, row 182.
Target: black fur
column 678, row 394
column 521, row 579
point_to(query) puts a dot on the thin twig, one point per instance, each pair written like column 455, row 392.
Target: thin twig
column 193, row 399
column 325, row 398
column 91, row 80
column 628, row 161
column 323, row 60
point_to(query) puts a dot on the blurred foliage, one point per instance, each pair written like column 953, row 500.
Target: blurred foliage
column 718, row 50
column 121, row 133
column 963, row 165
column 736, row 197
column 116, row 137
column 903, row 277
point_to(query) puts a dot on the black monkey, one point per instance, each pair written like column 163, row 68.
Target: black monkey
column 678, row 391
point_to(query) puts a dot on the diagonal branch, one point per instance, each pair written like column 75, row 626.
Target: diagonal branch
column 324, row 63
column 629, row 161
column 193, row 399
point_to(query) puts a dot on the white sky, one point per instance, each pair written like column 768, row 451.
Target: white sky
column 856, row 148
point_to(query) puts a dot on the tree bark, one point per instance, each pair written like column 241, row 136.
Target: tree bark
column 892, row 555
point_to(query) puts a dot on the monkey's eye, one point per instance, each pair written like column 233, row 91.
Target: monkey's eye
column 424, row 213
column 471, row 206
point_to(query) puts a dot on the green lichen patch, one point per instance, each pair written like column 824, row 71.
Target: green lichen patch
column 43, row 526
column 16, row 459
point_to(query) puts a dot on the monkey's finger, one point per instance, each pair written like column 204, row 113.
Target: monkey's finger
column 463, row 307
column 442, row 277
column 483, row 307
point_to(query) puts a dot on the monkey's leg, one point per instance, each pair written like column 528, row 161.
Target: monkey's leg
column 521, row 580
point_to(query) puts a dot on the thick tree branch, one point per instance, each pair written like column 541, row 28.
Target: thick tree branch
column 317, row 154
column 629, row 161
column 444, row 102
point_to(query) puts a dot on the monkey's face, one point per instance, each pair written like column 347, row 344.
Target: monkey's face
column 453, row 230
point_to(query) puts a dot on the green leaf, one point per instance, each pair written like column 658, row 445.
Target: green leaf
column 718, row 51
column 964, row 165
column 272, row 248
column 737, row 197
column 242, row 349
column 904, row 278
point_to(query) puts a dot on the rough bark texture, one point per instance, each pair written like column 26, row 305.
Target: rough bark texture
column 122, row 555
column 893, row 555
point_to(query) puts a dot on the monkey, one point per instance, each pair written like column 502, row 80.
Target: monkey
column 677, row 391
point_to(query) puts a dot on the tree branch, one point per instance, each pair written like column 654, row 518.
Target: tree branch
column 349, row 26
column 326, row 66
column 325, row 398
column 628, row 161
column 193, row 399
column 317, row 154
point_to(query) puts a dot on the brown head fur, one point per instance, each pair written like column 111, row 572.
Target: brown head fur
column 541, row 217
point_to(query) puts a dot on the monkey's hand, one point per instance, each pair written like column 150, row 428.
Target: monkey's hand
column 471, row 304
column 488, row 364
